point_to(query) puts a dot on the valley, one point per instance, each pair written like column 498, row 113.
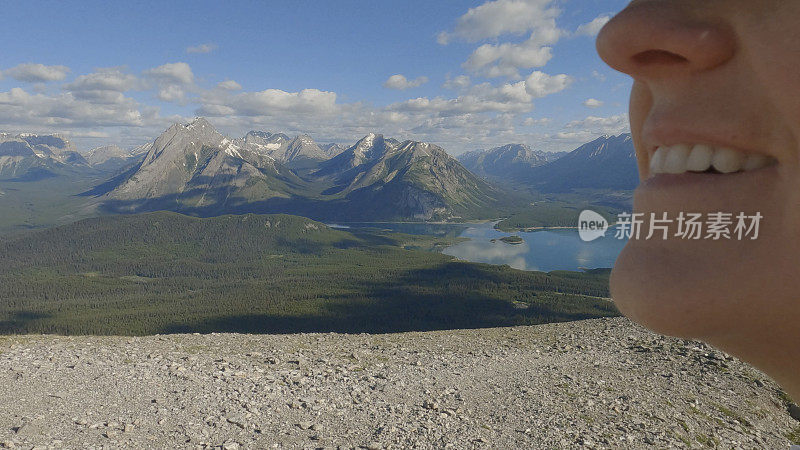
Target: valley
column 199, row 232
column 166, row 273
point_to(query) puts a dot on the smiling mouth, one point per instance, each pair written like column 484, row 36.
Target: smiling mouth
column 700, row 158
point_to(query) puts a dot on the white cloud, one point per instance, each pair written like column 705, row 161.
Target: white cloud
column 105, row 85
column 531, row 122
column 269, row 102
column 174, row 80
column 496, row 60
column 592, row 28
column 176, row 73
column 229, row 85
column 107, row 79
column 457, row 83
column 494, row 19
column 593, row 126
column 598, row 76
column 202, row 48
column 87, row 134
column 216, row 110
column 400, row 82
column 592, row 103
column 481, row 98
column 306, row 100
column 172, row 93
column 484, row 97
column 19, row 108
column 32, row 73
column 617, row 122
column 499, row 17
column 539, row 84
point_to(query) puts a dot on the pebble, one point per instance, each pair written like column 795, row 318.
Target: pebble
column 600, row 383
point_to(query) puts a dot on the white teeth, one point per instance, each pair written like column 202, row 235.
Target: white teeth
column 681, row 158
column 657, row 160
column 726, row 160
column 700, row 158
column 675, row 161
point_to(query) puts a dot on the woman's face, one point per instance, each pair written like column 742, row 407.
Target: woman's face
column 722, row 76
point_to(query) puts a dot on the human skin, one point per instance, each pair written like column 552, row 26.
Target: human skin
column 724, row 73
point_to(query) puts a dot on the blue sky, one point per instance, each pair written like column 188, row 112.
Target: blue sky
column 461, row 74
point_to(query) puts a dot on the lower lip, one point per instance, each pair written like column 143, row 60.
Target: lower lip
column 704, row 190
column 736, row 180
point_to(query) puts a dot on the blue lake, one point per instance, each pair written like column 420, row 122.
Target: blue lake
column 545, row 250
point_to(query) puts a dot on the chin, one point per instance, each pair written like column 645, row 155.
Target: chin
column 650, row 286
column 705, row 290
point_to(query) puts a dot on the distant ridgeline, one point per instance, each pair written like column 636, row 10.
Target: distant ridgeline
column 193, row 169
column 166, row 272
column 608, row 162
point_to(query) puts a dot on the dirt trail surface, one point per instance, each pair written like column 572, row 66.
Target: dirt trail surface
column 594, row 384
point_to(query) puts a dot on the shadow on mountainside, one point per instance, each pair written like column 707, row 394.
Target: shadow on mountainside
column 17, row 322
column 451, row 296
column 393, row 201
column 221, row 202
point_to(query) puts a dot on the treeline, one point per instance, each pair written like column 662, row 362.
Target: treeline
column 552, row 214
column 164, row 272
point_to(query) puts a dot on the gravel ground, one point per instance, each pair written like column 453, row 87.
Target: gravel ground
column 594, row 384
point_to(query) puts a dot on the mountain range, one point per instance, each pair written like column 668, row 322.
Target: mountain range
column 508, row 162
column 30, row 156
column 417, row 179
column 300, row 152
column 194, row 169
column 608, row 162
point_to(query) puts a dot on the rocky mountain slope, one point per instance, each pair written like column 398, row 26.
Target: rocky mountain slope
column 591, row 384
column 111, row 157
column 509, row 162
column 30, row 156
column 194, row 169
column 332, row 149
column 608, row 162
column 414, row 179
column 299, row 152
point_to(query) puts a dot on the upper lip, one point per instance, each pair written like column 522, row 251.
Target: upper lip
column 663, row 134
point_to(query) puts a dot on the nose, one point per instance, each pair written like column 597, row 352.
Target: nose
column 652, row 38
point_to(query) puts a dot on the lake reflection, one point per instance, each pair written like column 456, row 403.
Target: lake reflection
column 545, row 250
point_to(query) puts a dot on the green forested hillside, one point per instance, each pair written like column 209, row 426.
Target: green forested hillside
column 553, row 214
column 165, row 272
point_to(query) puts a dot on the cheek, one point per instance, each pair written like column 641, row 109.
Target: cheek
column 640, row 104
